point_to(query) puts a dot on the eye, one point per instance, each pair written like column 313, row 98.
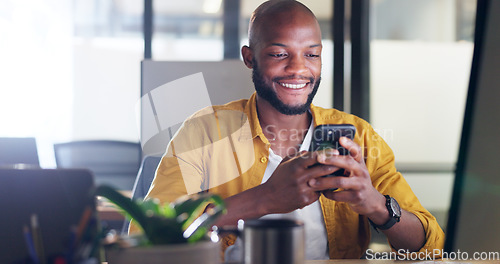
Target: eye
column 312, row 55
column 277, row 55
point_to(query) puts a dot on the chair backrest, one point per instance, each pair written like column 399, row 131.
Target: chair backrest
column 145, row 176
column 113, row 162
column 15, row 151
column 143, row 181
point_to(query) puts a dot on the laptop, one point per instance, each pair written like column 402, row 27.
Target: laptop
column 18, row 151
column 57, row 199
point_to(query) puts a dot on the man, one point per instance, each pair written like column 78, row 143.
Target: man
column 263, row 141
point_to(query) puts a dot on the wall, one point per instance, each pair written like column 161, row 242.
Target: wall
column 106, row 88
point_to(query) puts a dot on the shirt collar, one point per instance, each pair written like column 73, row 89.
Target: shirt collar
column 251, row 112
column 253, row 118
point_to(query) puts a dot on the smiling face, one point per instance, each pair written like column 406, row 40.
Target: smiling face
column 285, row 54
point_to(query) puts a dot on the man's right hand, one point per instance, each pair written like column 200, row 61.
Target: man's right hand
column 286, row 190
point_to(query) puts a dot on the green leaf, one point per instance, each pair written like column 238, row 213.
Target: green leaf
column 150, row 207
column 179, row 222
column 168, row 211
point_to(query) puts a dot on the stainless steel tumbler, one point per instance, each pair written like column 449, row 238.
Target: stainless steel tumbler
column 273, row 241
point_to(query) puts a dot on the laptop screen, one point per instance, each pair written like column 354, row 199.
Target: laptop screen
column 18, row 151
column 55, row 199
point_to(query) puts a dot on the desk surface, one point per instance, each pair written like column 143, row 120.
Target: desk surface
column 363, row 261
column 108, row 211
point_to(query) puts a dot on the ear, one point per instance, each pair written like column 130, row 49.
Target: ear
column 247, row 55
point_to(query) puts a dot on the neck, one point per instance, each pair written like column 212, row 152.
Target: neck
column 280, row 127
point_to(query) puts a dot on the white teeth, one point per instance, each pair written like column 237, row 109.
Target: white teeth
column 293, row 86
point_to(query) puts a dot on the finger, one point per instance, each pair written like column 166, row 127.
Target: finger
column 330, row 182
column 320, row 170
column 339, row 196
column 349, row 164
column 307, row 159
column 288, row 157
column 354, row 149
column 322, row 155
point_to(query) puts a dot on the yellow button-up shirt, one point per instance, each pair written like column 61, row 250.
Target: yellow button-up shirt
column 222, row 149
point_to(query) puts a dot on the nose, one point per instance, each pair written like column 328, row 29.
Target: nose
column 296, row 65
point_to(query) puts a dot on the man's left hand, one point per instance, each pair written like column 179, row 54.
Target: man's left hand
column 355, row 188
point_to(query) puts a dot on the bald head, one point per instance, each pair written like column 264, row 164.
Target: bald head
column 284, row 55
column 277, row 12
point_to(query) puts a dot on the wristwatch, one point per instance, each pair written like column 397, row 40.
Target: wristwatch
column 394, row 214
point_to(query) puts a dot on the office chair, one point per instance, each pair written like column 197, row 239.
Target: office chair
column 143, row 181
column 113, row 162
column 18, row 153
column 145, row 176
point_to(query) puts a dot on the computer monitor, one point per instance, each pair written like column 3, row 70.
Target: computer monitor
column 474, row 217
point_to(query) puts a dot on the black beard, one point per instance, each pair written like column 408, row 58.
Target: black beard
column 266, row 92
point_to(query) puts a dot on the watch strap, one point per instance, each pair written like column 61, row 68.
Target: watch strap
column 392, row 220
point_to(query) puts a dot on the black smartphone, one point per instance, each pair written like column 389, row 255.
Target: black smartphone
column 327, row 136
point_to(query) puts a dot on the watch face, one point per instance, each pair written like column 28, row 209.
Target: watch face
column 395, row 207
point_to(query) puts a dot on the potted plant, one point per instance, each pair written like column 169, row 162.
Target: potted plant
column 173, row 233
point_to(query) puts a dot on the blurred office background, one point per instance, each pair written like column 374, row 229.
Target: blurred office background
column 70, row 70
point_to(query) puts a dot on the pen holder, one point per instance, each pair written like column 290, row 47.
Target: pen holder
column 206, row 252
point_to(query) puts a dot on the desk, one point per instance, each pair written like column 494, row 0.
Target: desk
column 108, row 211
column 362, row 261
column 110, row 214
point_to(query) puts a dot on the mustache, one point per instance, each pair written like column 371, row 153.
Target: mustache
column 278, row 79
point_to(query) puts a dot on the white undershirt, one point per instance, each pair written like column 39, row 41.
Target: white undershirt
column 316, row 244
column 311, row 215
